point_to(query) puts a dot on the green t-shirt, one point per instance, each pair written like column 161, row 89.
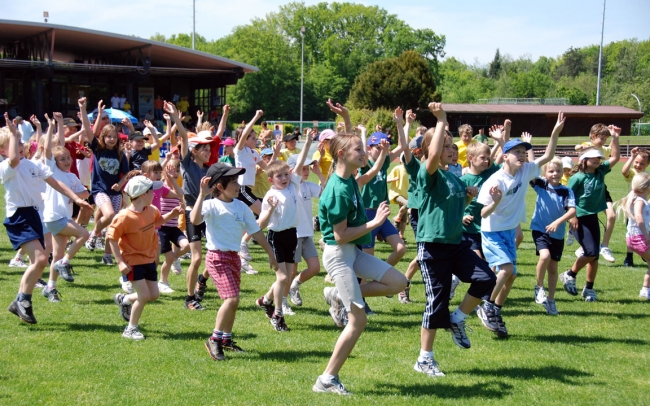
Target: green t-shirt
column 589, row 190
column 442, row 201
column 341, row 200
column 474, row 208
column 375, row 191
column 228, row 160
column 481, row 138
column 412, row 169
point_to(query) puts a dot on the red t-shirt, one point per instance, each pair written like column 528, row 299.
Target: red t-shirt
column 72, row 147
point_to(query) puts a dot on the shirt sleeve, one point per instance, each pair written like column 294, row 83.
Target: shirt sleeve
column 165, row 191
column 337, row 209
column 206, row 209
column 296, row 179
column 571, row 199
column 44, row 171
column 249, row 220
column 6, row 171
column 484, row 194
column 314, row 189
column 116, row 228
column 124, row 165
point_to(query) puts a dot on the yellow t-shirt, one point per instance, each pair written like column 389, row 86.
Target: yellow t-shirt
column 606, row 151
column 565, row 180
column 325, row 162
column 286, row 153
column 401, row 186
column 262, row 184
column 462, row 153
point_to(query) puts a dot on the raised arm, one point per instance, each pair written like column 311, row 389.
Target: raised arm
column 402, row 133
column 552, row 143
column 438, row 139
column 14, row 140
column 199, row 120
column 168, row 129
column 303, row 154
column 60, row 133
column 241, row 143
column 85, row 121
column 527, row 137
column 395, row 153
column 173, row 113
column 265, row 215
column 224, row 121
column 368, row 176
column 154, row 135
column 614, row 144
column 628, row 164
column 47, row 144
column 343, row 112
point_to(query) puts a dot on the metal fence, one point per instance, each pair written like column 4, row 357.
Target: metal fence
column 556, row 101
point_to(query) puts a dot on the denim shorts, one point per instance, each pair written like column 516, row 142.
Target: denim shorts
column 499, row 248
column 56, row 226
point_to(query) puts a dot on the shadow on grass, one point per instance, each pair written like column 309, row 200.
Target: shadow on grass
column 197, row 335
column 493, row 390
column 582, row 340
column 293, row 356
column 104, row 288
column 85, row 327
column 560, row 374
column 620, row 316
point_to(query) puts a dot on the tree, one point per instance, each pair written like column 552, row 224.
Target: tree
column 495, row 66
column 403, row 81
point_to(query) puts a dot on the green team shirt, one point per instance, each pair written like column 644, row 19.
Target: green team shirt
column 228, row 160
column 589, row 190
column 474, row 208
column 341, row 200
column 412, row 169
column 375, row 191
column 442, row 201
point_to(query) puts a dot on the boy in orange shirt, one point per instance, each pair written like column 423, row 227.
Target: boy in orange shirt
column 133, row 238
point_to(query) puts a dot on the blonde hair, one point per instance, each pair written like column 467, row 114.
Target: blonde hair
column 465, row 128
column 58, row 151
column 640, row 182
column 475, row 149
column 556, row 162
column 599, row 130
column 340, row 142
column 5, row 133
column 274, row 167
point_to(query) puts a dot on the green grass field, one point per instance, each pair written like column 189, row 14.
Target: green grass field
column 593, row 353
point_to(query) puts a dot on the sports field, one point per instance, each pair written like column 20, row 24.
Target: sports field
column 593, row 353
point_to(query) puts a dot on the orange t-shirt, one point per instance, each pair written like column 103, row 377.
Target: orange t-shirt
column 136, row 235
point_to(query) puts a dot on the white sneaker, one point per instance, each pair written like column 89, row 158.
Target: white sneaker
column 551, row 310
column 540, row 295
column 570, row 239
column 17, row 263
column 428, row 366
column 133, row 334
column 589, row 294
column 126, row 285
column 607, row 254
column 243, row 251
column 164, row 287
column 176, row 267
column 294, row 294
column 645, row 293
column 454, row 284
column 287, row 310
column 248, row 268
column 580, row 252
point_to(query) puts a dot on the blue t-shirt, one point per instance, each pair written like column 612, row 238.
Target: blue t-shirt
column 552, row 203
column 107, row 169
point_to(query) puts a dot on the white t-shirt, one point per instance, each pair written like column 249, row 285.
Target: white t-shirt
column 57, row 205
column 308, row 191
column 225, row 223
column 247, row 158
column 122, row 101
column 26, row 130
column 83, row 167
column 286, row 214
column 632, row 226
column 512, row 208
column 23, row 184
column 115, row 102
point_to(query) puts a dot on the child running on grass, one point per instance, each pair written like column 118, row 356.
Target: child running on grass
column 554, row 206
column 344, row 226
column 441, row 250
column 636, row 209
column 22, row 181
column 134, row 242
column 503, row 199
column 588, row 186
column 637, row 163
column 225, row 218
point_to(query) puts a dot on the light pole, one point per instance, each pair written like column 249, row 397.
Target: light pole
column 638, row 130
column 302, row 71
column 193, row 22
column 600, row 56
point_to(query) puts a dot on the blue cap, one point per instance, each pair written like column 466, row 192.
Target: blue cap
column 376, row 137
column 416, row 142
column 266, row 151
column 515, row 143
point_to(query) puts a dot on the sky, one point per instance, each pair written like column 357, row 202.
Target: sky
column 474, row 29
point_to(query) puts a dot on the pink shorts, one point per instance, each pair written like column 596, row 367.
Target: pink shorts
column 637, row 244
column 116, row 200
column 225, row 269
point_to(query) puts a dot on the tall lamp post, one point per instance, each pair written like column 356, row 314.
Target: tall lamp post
column 193, row 22
column 638, row 129
column 302, row 71
column 600, row 56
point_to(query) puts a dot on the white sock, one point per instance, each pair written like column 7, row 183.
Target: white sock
column 327, row 377
column 65, row 260
column 424, row 355
column 296, row 282
column 51, row 284
column 284, row 301
column 457, row 316
column 132, row 326
column 267, row 301
column 126, row 301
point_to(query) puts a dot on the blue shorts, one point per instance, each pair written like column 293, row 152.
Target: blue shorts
column 499, row 248
column 385, row 230
column 56, row 226
column 24, row 226
column 168, row 236
column 475, row 240
column 413, row 219
column 143, row 271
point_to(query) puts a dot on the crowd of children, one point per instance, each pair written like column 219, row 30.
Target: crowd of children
column 464, row 201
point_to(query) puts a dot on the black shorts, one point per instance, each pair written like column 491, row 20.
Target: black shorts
column 24, row 226
column 589, row 235
column 438, row 262
column 543, row 241
column 246, row 195
column 144, row 271
column 475, row 240
column 284, row 243
column 608, row 197
column 413, row 219
column 194, row 232
column 168, row 236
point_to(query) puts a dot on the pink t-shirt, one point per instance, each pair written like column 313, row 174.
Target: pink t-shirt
column 157, row 195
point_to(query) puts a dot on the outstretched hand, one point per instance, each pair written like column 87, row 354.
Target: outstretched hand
column 496, row 194
column 337, row 108
column 438, row 112
column 560, row 122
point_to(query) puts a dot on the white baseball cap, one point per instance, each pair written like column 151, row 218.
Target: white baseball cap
column 592, row 153
column 139, row 185
column 567, row 162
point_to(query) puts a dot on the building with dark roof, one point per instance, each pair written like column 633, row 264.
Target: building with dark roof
column 539, row 120
column 46, row 67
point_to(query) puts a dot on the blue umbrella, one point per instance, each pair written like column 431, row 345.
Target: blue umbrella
column 115, row 115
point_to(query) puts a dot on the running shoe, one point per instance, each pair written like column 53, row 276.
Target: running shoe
column 90, row 243
column 540, row 295
column 164, row 288
column 176, row 267
column 486, row 313
column 278, row 323
column 64, row 270
column 194, row 305
column 269, row 309
column 294, row 294
column 108, row 260
column 40, row 283
column 459, row 335
column 125, row 309
column 428, row 366
column 133, row 334
column 287, row 310
column 569, row 283
column 200, row 288
column 52, row 295
column 334, row 386
column 570, row 239
column 17, row 263
column 644, row 293
column 606, row 253
column 501, row 331
column 550, row 307
column 215, row 349
column 127, row 286
column 243, row 251
column 580, row 252
column 368, row 310
column 231, row 345
column 589, row 294
column 23, row 309
column 247, row 267
column 404, row 296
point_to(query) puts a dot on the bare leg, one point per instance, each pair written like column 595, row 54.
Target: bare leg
column 347, row 340
column 146, row 291
column 193, row 269
column 552, row 279
column 226, row 314
column 609, row 226
column 38, row 261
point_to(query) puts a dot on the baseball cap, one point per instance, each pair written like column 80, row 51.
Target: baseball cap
column 124, row 137
column 416, row 142
column 376, row 138
column 219, row 170
column 266, row 151
column 135, row 136
column 228, row 141
column 515, row 143
column 592, row 153
column 68, row 122
column 293, row 160
column 567, row 162
column 326, row 135
column 205, row 134
column 194, row 141
column 146, row 131
column 139, row 185
column 291, row 136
